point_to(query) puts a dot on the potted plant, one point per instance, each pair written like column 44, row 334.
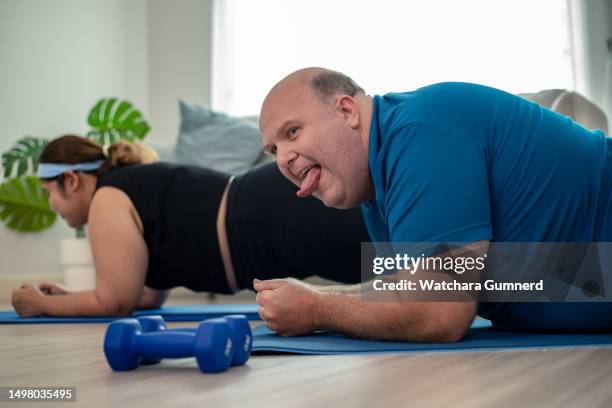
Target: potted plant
column 24, row 204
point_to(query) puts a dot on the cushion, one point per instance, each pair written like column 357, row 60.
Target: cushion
column 573, row 105
column 216, row 140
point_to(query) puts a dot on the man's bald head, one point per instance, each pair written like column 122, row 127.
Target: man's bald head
column 322, row 81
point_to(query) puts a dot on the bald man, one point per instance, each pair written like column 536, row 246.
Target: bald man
column 451, row 162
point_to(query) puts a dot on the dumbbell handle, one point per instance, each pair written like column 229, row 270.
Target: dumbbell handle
column 166, row 344
column 190, row 330
column 242, row 347
column 184, row 329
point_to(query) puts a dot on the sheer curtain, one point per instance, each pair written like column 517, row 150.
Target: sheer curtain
column 389, row 45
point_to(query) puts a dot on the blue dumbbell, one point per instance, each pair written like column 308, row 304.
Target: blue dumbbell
column 242, row 337
column 125, row 345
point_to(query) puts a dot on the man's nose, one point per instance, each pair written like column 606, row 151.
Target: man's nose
column 285, row 157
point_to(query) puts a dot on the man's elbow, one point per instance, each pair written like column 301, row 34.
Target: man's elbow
column 433, row 330
column 447, row 333
column 449, row 322
column 439, row 334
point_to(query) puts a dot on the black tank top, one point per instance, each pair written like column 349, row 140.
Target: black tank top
column 178, row 207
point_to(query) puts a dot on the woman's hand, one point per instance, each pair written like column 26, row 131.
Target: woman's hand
column 52, row 288
column 27, row 300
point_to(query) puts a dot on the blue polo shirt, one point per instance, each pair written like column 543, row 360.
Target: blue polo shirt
column 458, row 162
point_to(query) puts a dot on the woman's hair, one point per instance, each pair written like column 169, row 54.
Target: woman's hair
column 72, row 149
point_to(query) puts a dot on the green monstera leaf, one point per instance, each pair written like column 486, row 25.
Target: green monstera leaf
column 24, row 205
column 23, row 156
column 113, row 120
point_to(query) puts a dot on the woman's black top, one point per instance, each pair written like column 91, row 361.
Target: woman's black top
column 178, row 206
column 271, row 232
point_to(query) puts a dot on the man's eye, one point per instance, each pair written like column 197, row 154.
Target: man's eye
column 292, row 132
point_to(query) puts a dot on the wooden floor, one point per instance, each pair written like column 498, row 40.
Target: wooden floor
column 71, row 355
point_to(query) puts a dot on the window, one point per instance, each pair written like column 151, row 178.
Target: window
column 389, row 45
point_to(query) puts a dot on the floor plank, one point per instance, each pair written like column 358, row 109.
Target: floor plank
column 71, row 355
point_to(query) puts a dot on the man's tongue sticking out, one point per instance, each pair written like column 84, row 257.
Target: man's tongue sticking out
column 310, row 183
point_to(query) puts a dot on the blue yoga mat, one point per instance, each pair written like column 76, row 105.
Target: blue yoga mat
column 191, row 313
column 481, row 336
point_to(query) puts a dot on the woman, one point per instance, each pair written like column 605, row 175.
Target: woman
column 156, row 226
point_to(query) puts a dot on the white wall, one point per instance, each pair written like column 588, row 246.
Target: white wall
column 607, row 86
column 593, row 30
column 56, row 59
column 180, row 42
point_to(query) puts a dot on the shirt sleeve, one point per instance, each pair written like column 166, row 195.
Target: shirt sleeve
column 436, row 185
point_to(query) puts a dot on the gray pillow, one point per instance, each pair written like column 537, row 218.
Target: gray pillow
column 216, row 140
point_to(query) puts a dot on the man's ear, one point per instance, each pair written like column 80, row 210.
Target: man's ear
column 72, row 182
column 347, row 106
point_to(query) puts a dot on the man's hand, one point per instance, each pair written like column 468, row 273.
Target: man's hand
column 288, row 306
column 27, row 300
column 52, row 288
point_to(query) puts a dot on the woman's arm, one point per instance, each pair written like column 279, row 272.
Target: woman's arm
column 120, row 257
column 31, row 301
column 151, row 298
column 28, row 300
column 85, row 303
column 119, row 251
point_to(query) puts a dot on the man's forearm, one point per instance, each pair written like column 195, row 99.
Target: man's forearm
column 382, row 320
column 346, row 289
column 84, row 303
column 343, row 309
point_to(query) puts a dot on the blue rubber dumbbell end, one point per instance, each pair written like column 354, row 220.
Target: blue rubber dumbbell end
column 242, row 337
column 118, row 344
column 213, row 347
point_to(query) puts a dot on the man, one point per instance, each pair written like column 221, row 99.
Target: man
column 451, row 162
